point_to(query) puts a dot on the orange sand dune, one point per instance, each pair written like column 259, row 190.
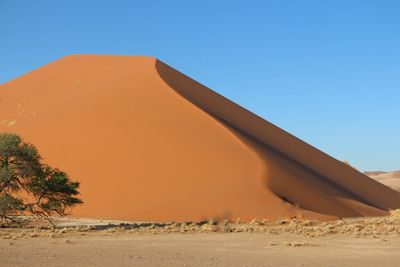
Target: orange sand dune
column 148, row 143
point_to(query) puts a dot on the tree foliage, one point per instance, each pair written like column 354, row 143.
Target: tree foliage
column 30, row 187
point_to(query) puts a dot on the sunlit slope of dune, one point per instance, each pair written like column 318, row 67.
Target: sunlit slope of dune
column 148, row 143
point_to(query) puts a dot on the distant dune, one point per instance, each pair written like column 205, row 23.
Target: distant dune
column 149, row 143
column 391, row 179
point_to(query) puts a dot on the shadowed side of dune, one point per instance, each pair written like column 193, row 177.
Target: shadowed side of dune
column 297, row 172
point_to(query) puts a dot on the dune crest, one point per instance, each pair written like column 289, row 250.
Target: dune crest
column 149, row 143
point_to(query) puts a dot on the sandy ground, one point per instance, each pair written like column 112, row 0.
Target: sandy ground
column 195, row 249
column 83, row 242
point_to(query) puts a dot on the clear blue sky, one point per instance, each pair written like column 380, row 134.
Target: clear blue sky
column 326, row 71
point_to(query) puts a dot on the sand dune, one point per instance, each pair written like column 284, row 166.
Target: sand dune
column 148, row 143
column 390, row 179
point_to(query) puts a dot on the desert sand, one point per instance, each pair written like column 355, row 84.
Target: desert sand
column 87, row 242
column 199, row 250
column 148, row 143
column 390, row 179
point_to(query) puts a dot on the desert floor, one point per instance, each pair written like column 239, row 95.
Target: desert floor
column 196, row 249
column 354, row 242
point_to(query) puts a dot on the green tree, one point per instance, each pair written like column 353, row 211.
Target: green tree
column 30, row 187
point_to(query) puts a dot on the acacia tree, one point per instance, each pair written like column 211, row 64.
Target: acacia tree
column 30, row 187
